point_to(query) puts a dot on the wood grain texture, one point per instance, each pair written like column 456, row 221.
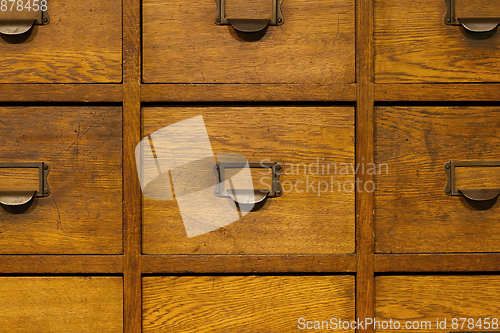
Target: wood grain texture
column 315, row 45
column 426, row 298
column 437, row 92
column 83, row 214
column 244, row 303
column 295, row 223
column 60, row 92
column 364, row 156
column 477, row 8
column 81, row 44
column 19, row 179
column 65, row 264
column 477, row 177
column 213, row 264
column 246, row 92
column 413, row 214
column 413, row 45
column 61, row 304
column 472, row 262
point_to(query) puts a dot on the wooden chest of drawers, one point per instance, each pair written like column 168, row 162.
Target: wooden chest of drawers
column 368, row 101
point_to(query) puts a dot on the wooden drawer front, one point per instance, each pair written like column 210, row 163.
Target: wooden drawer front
column 245, row 303
column 61, row 304
column 414, row 45
column 302, row 220
column 83, row 146
column 412, row 212
column 315, row 45
column 423, row 301
column 81, row 44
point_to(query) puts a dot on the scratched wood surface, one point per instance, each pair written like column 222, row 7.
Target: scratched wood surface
column 61, row 304
column 412, row 212
column 302, row 220
column 421, row 299
column 244, row 303
column 81, row 44
column 413, row 45
column 182, row 44
column 83, row 145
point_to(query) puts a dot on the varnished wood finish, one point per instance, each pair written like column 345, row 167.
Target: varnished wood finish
column 60, row 93
column 364, row 156
column 477, row 177
column 246, row 92
column 81, row 44
column 131, row 190
column 19, row 179
column 315, row 45
column 244, row 303
column 437, row 92
column 302, row 220
column 476, row 9
column 414, row 45
column 213, row 264
column 83, row 146
column 413, row 214
column 426, row 298
column 473, row 262
column 66, row 264
column 61, row 304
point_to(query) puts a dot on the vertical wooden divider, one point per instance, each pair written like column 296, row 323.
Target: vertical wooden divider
column 364, row 154
column 131, row 189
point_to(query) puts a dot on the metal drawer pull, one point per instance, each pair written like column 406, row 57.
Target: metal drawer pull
column 14, row 22
column 248, row 25
column 247, row 196
column 21, row 196
column 471, row 24
column 475, row 194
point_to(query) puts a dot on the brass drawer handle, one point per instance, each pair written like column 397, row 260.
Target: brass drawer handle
column 474, row 194
column 16, row 22
column 248, row 25
column 22, row 196
column 247, row 196
column 470, row 24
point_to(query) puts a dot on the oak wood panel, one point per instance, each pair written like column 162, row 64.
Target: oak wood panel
column 413, row 45
column 412, row 212
column 83, row 214
column 244, row 303
column 471, row 262
column 315, row 45
column 426, row 298
column 255, row 9
column 476, row 8
column 246, row 92
column 437, row 92
column 19, row 179
column 477, row 177
column 81, row 44
column 364, row 156
column 60, row 92
column 61, row 304
column 57, row 264
column 295, row 223
column 213, row 264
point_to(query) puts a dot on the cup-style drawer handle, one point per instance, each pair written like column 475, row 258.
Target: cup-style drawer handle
column 17, row 22
column 247, row 196
column 248, row 25
column 22, row 195
column 470, row 24
column 474, row 194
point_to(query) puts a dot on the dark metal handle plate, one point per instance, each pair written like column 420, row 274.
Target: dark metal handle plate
column 471, row 24
column 21, row 196
column 14, row 22
column 475, row 194
column 238, row 195
column 248, row 25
